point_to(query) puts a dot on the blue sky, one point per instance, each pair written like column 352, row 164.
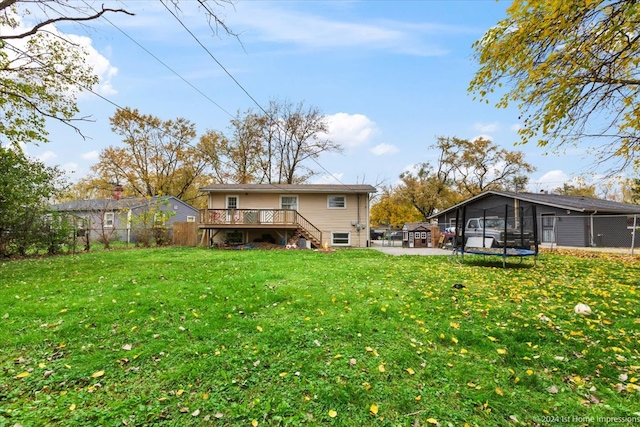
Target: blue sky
column 391, row 76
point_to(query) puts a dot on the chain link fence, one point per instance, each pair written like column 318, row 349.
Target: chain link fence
column 606, row 233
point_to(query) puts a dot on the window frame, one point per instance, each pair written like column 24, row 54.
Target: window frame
column 109, row 219
column 339, row 243
column 232, row 196
column 334, row 196
column 293, row 196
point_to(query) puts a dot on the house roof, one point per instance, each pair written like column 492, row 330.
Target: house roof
column 111, row 204
column 290, row 188
column 581, row 204
column 412, row 226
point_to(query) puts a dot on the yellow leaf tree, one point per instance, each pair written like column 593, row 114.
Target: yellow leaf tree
column 572, row 69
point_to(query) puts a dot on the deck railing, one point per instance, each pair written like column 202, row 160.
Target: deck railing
column 257, row 217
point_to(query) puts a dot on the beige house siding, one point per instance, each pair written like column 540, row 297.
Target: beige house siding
column 352, row 219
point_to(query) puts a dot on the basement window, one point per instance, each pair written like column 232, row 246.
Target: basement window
column 340, row 239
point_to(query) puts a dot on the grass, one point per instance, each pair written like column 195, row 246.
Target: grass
column 188, row 336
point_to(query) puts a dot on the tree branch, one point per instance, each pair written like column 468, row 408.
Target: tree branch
column 37, row 27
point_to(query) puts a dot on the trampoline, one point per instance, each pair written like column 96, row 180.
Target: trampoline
column 503, row 231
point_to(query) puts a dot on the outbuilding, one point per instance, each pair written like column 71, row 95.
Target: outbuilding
column 575, row 221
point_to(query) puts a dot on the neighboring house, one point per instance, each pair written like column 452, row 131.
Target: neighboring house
column 562, row 220
column 322, row 215
column 116, row 217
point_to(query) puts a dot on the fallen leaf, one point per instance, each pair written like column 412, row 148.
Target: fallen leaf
column 22, row 375
column 381, row 367
column 373, row 409
column 499, row 391
column 184, row 409
column 333, row 413
column 410, row 371
column 254, row 423
column 97, row 374
column 126, row 347
column 502, row 351
column 195, row 413
column 432, row 421
column 552, row 389
column 72, row 407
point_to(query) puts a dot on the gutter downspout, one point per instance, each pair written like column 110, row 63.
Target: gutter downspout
column 591, row 236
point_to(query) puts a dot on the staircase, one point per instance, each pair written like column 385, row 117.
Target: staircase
column 309, row 231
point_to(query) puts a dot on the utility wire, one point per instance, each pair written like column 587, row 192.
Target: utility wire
column 164, row 64
column 211, row 55
column 240, row 85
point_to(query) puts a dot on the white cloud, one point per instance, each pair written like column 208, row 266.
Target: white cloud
column 550, row 180
column 350, row 130
column 486, row 127
column 334, row 178
column 47, row 156
column 271, row 22
column 515, row 127
column 100, row 64
column 382, row 149
column 91, row 155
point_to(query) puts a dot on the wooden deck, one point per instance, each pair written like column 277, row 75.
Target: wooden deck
column 239, row 219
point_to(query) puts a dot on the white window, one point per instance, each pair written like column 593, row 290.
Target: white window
column 108, row 219
column 289, row 202
column 232, row 202
column 340, row 239
column 191, row 218
column 336, row 202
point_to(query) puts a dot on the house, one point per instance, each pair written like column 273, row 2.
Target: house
column 575, row 221
column 319, row 214
column 121, row 218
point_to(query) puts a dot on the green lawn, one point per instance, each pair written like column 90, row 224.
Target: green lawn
column 189, row 336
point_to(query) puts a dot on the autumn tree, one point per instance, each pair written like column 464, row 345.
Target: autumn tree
column 429, row 188
column 572, row 69
column 275, row 145
column 41, row 71
column 392, row 209
column 235, row 159
column 576, row 190
column 157, row 157
column 479, row 165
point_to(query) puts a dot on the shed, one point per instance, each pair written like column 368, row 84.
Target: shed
column 420, row 235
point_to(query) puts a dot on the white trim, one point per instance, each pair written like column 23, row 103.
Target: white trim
column 297, row 207
column 344, row 199
column 109, row 223
column 226, row 201
column 333, row 238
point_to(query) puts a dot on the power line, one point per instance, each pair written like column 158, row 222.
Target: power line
column 212, row 56
column 163, row 63
column 240, row 85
